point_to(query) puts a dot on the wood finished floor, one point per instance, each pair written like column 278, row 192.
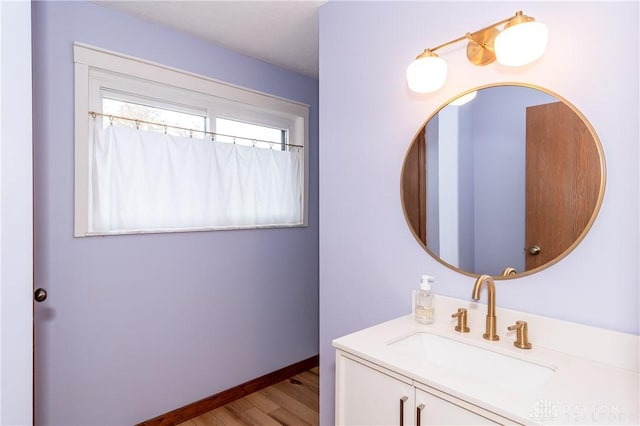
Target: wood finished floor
column 291, row 402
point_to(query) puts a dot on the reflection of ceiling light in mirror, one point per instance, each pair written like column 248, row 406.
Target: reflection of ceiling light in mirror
column 464, row 99
column 521, row 44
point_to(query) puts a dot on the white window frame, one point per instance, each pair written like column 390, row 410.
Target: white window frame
column 98, row 70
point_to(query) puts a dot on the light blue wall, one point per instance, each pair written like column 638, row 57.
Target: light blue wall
column 139, row 325
column 369, row 260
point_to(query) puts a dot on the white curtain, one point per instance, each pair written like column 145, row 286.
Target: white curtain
column 148, row 181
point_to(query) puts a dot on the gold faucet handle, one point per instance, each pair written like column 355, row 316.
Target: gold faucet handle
column 522, row 335
column 462, row 320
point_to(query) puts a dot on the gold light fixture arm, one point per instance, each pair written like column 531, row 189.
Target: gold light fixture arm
column 480, row 49
column 449, row 43
column 478, row 40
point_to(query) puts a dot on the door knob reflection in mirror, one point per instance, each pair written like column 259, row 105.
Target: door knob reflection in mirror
column 534, row 250
column 40, row 295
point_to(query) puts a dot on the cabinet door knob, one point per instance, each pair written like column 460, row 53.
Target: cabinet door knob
column 418, row 412
column 40, row 295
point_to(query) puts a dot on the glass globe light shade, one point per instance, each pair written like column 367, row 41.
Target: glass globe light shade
column 521, row 44
column 427, row 73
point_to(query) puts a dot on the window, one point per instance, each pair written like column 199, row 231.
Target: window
column 176, row 121
column 163, row 150
column 251, row 134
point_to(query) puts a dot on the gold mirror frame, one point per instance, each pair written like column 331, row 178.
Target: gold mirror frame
column 508, row 272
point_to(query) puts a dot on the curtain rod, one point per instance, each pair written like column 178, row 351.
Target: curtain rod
column 111, row 117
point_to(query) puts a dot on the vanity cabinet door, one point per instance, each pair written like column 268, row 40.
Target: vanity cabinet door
column 367, row 396
column 437, row 411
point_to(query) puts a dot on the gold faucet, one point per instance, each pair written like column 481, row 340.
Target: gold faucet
column 490, row 333
column 509, row 271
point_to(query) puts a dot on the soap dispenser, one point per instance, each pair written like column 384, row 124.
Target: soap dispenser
column 424, row 301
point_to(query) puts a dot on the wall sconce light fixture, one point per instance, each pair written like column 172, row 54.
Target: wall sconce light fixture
column 521, row 41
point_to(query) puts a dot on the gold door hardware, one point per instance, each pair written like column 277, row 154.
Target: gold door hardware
column 490, row 332
column 534, row 250
column 40, row 295
column 462, row 320
column 522, row 335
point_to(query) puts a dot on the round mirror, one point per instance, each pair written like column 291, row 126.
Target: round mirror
column 505, row 184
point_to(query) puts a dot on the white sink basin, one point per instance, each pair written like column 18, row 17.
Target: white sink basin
column 475, row 361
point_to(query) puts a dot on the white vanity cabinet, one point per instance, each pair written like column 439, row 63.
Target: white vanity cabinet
column 367, row 394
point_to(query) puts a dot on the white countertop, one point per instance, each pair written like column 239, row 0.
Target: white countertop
column 580, row 391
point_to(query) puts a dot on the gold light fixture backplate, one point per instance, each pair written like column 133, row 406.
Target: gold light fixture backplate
column 480, row 49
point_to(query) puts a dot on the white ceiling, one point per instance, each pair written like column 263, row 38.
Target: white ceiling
column 283, row 33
